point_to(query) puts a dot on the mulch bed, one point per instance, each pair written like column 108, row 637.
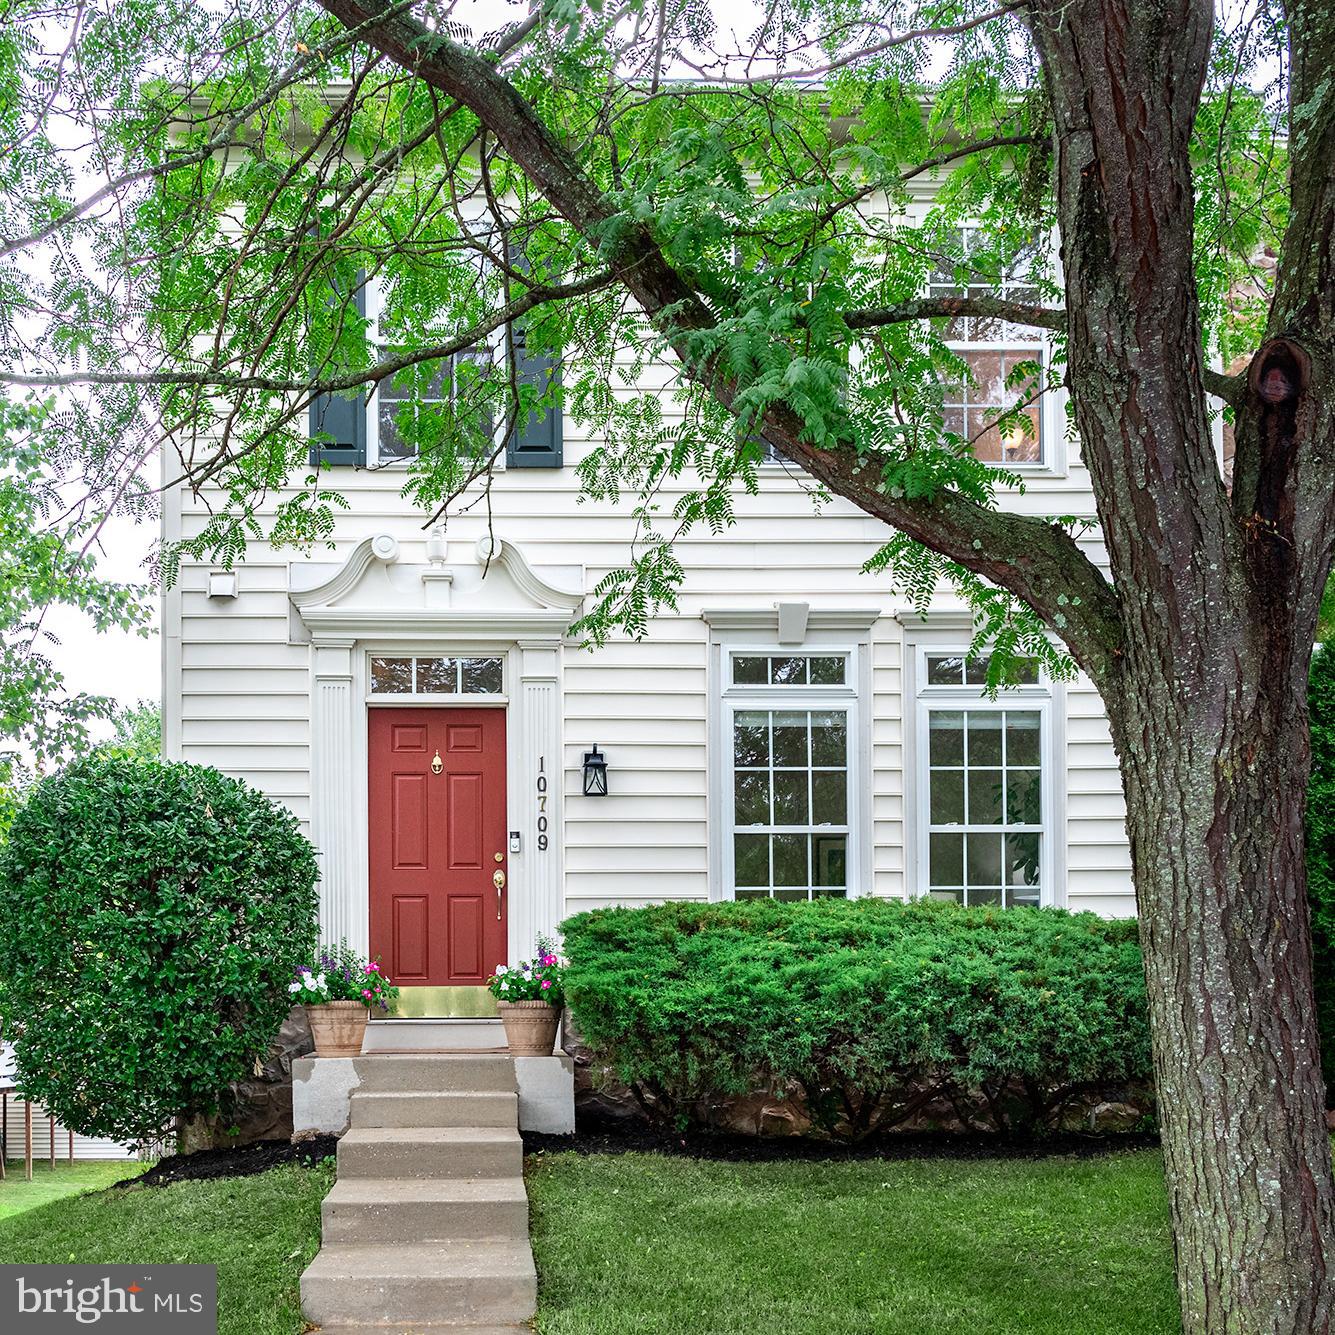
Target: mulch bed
column 607, row 1136
column 239, row 1162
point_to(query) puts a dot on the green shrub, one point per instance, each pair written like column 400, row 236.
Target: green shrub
column 873, row 1009
column 1321, row 853
column 151, row 918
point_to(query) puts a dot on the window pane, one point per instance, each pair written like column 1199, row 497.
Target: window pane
column 750, row 671
column 790, row 859
column 752, row 894
column 947, row 896
column 982, row 860
column 985, row 797
column 975, row 670
column 794, row 895
column 984, row 738
column 827, row 671
column 1022, row 738
column 750, row 738
column 752, row 788
column 830, row 861
column 946, row 803
column 392, row 676
column 978, row 898
column 829, row 797
column 790, row 797
column 438, row 675
column 1024, row 797
column 946, row 859
column 945, row 670
column 945, row 742
column 788, row 671
column 829, row 737
column 751, row 856
column 1022, row 860
column 790, row 738
column 482, row 676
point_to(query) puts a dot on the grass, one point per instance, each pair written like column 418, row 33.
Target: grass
column 66, row 1179
column 259, row 1231
column 657, row 1246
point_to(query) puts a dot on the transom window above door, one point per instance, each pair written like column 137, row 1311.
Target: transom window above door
column 421, row 675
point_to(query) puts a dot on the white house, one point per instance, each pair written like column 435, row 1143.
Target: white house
column 793, row 730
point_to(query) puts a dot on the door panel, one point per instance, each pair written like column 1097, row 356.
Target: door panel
column 436, row 919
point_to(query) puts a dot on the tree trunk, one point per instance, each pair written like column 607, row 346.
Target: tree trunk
column 1215, row 786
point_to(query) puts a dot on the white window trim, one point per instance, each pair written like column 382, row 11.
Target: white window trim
column 1047, row 697
column 740, row 632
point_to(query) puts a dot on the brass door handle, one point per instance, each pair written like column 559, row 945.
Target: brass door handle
column 498, row 880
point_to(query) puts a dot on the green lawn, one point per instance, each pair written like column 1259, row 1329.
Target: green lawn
column 664, row 1246
column 66, row 1179
column 638, row 1244
column 260, row 1231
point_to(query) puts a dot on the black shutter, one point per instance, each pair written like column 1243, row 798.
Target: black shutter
column 341, row 417
column 537, row 442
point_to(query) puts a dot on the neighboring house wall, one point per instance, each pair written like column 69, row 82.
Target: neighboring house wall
column 85, row 1147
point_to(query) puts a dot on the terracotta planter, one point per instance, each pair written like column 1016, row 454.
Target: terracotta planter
column 338, row 1028
column 530, row 1027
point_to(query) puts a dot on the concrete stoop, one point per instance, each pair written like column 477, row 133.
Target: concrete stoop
column 425, row 1231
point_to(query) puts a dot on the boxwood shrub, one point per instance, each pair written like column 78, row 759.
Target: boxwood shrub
column 872, row 1009
column 151, row 918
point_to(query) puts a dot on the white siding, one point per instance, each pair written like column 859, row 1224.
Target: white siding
column 237, row 694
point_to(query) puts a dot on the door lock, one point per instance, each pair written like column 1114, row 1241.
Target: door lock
column 498, row 880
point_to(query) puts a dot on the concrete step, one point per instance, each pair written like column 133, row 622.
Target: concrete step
column 399, row 1210
column 487, row 1282
column 437, row 1073
column 426, row 1152
column 407, row 1109
column 434, row 1036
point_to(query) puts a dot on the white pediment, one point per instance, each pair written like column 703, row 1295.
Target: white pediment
column 487, row 588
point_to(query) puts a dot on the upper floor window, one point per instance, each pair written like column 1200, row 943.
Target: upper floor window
column 995, row 353
column 984, row 770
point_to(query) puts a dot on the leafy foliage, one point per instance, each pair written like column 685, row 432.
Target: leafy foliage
column 48, row 564
column 267, row 166
column 873, row 1008
column 151, row 918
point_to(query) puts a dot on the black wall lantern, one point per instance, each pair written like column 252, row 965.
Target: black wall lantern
column 595, row 773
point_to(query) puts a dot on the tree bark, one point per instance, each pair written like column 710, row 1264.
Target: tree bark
column 1215, row 800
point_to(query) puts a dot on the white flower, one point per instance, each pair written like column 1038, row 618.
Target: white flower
column 505, row 987
column 321, row 984
column 294, row 987
column 502, row 970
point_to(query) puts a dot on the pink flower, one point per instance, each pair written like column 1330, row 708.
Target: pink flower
column 366, row 994
column 546, row 982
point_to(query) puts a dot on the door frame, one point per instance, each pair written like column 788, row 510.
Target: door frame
column 340, row 774
column 490, row 601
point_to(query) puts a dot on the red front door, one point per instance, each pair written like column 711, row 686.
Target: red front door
column 437, row 838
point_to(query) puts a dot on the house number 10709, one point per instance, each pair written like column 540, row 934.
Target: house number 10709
column 542, row 804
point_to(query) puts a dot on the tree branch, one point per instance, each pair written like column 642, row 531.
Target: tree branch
column 1037, row 561
column 214, row 378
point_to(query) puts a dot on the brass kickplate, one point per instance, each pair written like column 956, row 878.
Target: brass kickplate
column 444, row 1003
